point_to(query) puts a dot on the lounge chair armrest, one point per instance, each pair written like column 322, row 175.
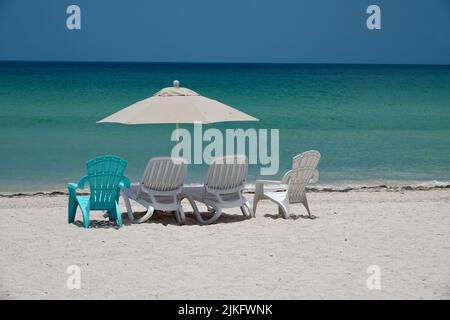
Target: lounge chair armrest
column 125, row 183
column 315, row 177
column 268, row 182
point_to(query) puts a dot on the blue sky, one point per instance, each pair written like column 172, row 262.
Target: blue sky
column 297, row 31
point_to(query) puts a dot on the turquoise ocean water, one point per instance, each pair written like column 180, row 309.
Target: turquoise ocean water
column 372, row 124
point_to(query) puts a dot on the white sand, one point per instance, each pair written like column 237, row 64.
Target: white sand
column 407, row 234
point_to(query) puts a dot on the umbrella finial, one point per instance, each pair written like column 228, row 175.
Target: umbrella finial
column 176, row 84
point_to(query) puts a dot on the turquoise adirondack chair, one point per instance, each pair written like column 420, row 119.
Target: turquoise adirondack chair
column 106, row 179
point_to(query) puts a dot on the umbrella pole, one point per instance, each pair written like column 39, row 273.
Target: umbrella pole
column 177, row 136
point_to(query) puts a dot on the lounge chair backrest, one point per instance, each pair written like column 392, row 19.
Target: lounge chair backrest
column 104, row 175
column 226, row 174
column 164, row 174
column 303, row 169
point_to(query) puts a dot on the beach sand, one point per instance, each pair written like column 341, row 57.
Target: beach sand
column 405, row 233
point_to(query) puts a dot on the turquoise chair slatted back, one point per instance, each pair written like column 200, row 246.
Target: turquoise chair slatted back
column 104, row 175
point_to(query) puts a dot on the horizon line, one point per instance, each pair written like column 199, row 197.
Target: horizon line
column 219, row 62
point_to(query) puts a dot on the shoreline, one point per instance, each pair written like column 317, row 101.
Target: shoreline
column 425, row 186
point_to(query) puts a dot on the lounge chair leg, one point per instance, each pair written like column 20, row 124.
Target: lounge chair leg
column 147, row 216
column 244, row 211
column 216, row 216
column 250, row 210
column 197, row 214
column 126, row 199
column 179, row 215
column 247, row 210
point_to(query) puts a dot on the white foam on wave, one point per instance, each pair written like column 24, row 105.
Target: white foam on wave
column 335, row 187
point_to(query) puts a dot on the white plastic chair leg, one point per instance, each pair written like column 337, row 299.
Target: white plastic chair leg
column 247, row 210
column 255, row 205
column 283, row 209
column 250, row 209
column 198, row 216
column 128, row 205
column 305, row 203
column 147, row 216
column 244, row 211
column 180, row 216
column 258, row 196
column 215, row 216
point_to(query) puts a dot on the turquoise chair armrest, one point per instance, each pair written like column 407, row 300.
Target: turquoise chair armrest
column 125, row 183
column 72, row 186
column 82, row 182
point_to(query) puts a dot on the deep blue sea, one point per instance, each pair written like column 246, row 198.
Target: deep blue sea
column 372, row 124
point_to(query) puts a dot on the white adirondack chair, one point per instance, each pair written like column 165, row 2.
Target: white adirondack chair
column 159, row 189
column 223, row 186
column 302, row 173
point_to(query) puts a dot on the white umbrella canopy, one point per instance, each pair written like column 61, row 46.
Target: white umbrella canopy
column 177, row 105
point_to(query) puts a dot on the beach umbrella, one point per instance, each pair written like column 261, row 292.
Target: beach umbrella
column 177, row 105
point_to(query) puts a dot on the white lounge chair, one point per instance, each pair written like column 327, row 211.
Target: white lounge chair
column 303, row 172
column 159, row 189
column 223, row 186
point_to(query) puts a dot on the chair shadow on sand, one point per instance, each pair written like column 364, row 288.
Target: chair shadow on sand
column 167, row 218
column 100, row 224
column 104, row 224
column 160, row 217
